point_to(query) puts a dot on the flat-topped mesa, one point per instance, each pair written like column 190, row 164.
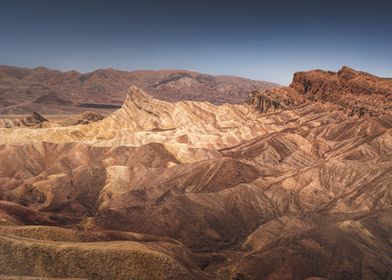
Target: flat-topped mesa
column 357, row 93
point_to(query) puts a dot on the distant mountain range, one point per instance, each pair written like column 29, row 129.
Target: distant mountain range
column 47, row 91
column 295, row 184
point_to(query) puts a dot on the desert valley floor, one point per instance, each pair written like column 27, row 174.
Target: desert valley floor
column 296, row 183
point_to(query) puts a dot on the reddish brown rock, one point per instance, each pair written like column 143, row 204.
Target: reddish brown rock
column 53, row 92
column 356, row 92
column 298, row 190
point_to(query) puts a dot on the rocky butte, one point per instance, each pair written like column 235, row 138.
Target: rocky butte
column 296, row 183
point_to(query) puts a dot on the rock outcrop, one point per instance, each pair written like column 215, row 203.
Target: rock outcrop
column 274, row 99
column 191, row 190
column 33, row 120
column 88, row 117
column 356, row 92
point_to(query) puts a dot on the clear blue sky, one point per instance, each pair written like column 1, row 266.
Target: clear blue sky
column 265, row 40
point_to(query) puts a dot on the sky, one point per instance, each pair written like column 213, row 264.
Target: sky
column 262, row 40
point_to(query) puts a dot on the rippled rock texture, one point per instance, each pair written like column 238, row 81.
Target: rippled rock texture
column 287, row 186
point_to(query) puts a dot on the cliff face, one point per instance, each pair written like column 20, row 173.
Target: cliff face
column 190, row 190
column 354, row 92
column 357, row 93
column 264, row 103
column 326, row 83
column 274, row 99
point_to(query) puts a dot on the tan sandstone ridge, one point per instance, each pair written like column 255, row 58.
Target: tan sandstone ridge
column 285, row 187
column 34, row 120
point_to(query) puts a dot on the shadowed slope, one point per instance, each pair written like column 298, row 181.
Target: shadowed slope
column 279, row 188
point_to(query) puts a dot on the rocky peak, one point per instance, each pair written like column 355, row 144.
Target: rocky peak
column 34, row 119
column 135, row 94
column 356, row 92
column 347, row 73
column 141, row 100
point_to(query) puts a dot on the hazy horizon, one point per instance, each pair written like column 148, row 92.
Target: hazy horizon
column 214, row 74
column 262, row 41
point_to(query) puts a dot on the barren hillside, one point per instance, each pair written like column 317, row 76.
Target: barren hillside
column 294, row 184
column 47, row 91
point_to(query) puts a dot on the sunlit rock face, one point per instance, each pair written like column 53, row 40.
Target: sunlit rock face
column 358, row 93
column 293, row 184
